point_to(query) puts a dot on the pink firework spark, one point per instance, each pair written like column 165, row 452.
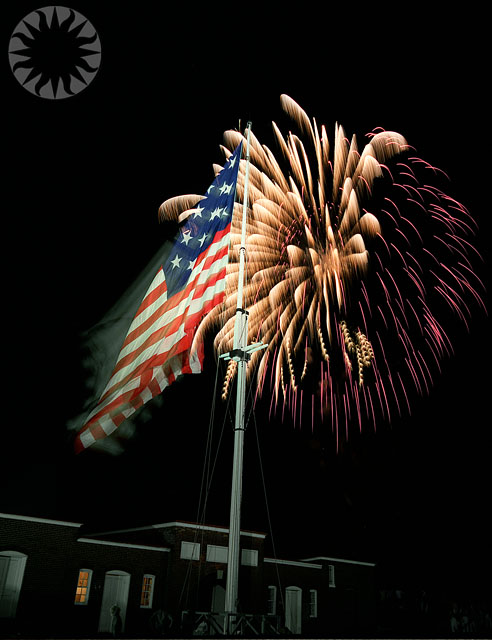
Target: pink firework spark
column 354, row 261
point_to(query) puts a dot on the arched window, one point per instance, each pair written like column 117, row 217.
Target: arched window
column 272, row 600
column 147, row 593
column 331, row 575
column 12, row 565
column 313, row 603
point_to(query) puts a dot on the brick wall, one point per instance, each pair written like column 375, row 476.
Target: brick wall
column 349, row 607
column 46, row 602
column 190, row 582
column 48, row 547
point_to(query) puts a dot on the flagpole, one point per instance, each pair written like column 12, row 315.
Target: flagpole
column 241, row 355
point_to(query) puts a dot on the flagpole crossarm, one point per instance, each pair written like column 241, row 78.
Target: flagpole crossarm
column 243, row 355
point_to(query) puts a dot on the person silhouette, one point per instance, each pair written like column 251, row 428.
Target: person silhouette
column 116, row 621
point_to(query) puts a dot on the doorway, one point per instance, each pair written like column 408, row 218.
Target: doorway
column 12, row 565
column 115, row 593
column 218, row 599
column 293, row 609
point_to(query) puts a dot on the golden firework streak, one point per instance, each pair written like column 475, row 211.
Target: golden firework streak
column 306, row 247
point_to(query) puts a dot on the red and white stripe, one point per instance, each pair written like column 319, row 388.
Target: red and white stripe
column 157, row 347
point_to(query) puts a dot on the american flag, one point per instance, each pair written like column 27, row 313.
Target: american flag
column 158, row 344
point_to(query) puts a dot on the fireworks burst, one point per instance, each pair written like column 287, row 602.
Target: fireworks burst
column 349, row 254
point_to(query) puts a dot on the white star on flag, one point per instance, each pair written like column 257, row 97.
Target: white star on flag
column 186, row 237
column 216, row 212
column 161, row 341
column 202, row 239
column 225, row 188
column 176, row 261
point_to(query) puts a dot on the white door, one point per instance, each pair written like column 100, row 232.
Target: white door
column 218, row 604
column 12, row 565
column 218, row 599
column 116, row 586
column 293, row 609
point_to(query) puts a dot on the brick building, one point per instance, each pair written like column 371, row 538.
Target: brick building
column 56, row 579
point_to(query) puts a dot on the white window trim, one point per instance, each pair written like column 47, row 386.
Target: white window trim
column 313, row 603
column 214, row 550
column 331, row 576
column 249, row 557
column 151, row 598
column 272, row 589
column 190, row 550
column 87, row 594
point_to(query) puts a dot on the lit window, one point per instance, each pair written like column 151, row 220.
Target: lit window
column 331, row 575
column 272, row 600
column 313, row 603
column 83, row 586
column 147, row 591
column 190, row 551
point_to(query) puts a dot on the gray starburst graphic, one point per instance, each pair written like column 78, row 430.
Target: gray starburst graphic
column 54, row 52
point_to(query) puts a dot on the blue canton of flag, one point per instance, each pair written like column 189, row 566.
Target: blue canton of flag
column 190, row 283
column 212, row 215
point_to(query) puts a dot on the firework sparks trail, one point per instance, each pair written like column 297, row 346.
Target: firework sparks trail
column 338, row 239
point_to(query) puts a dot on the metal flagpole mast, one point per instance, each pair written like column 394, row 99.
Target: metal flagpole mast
column 241, row 353
column 240, row 344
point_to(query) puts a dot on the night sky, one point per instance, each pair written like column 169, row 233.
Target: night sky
column 85, row 178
